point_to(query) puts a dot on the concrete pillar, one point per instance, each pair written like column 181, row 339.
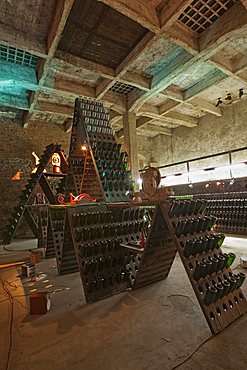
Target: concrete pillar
column 130, row 145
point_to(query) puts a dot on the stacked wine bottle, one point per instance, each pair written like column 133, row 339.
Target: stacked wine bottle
column 27, row 194
column 112, row 168
column 99, row 239
column 231, row 214
column 216, row 286
column 62, row 240
column 103, row 172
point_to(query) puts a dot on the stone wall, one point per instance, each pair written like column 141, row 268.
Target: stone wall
column 213, row 135
column 16, row 147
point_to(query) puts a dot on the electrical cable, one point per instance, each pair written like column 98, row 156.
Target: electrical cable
column 11, row 300
column 192, row 353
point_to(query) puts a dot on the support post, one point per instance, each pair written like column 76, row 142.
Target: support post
column 130, row 145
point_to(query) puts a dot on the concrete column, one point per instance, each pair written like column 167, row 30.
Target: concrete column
column 130, row 145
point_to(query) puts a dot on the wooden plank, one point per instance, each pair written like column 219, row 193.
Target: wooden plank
column 244, row 2
column 63, row 59
column 171, row 11
column 62, row 12
column 141, row 12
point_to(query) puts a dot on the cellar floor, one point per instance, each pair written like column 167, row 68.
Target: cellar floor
column 154, row 328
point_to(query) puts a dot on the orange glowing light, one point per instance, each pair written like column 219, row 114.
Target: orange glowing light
column 84, row 148
column 17, row 176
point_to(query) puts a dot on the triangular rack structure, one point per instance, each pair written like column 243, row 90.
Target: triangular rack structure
column 59, row 236
column 105, row 238
column 96, row 166
column 38, row 180
column 216, row 287
column 159, row 253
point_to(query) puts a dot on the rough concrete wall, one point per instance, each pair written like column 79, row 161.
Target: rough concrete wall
column 144, row 151
column 213, row 135
column 16, row 146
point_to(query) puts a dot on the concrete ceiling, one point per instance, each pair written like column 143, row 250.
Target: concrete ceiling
column 166, row 60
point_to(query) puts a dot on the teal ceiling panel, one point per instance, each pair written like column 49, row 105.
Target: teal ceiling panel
column 174, row 53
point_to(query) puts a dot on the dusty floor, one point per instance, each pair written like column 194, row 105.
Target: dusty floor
column 154, row 328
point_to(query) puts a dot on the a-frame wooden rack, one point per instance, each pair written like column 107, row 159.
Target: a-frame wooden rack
column 24, row 208
column 106, row 240
column 96, row 166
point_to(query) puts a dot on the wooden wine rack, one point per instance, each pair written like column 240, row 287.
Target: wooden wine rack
column 225, row 310
column 62, row 240
column 159, row 252
column 100, row 173
column 104, row 259
column 37, row 179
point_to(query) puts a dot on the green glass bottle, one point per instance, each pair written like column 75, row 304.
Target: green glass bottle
column 210, row 296
column 242, row 277
column 231, row 257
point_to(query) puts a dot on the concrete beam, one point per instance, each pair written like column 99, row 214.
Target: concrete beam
column 159, row 129
column 230, row 24
column 114, row 117
column 208, row 81
column 183, row 36
column 173, row 92
column 22, row 40
column 206, row 106
column 14, row 101
column 181, row 119
column 58, row 109
column 68, row 124
column 130, row 145
column 215, row 38
column 168, row 106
